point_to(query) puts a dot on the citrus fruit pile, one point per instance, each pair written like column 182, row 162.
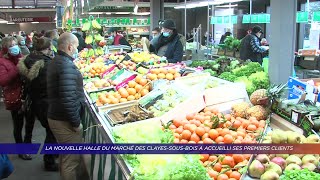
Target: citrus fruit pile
column 163, row 73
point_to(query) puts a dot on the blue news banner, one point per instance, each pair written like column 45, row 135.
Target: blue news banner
column 149, row 149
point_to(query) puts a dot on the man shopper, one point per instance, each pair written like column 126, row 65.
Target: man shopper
column 250, row 47
column 66, row 101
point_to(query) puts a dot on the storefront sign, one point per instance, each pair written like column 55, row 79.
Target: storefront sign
column 302, row 17
column 112, row 21
column 30, row 19
column 316, row 16
column 246, row 19
column 224, row 20
column 255, row 18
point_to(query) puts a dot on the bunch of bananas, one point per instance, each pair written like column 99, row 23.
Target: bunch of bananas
column 86, row 26
column 89, row 39
column 99, row 51
column 90, row 53
column 95, row 24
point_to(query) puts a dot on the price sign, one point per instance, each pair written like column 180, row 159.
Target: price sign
column 219, row 20
column 316, row 16
column 234, row 19
column 302, row 17
column 213, row 20
column 226, row 19
column 246, row 19
column 255, row 18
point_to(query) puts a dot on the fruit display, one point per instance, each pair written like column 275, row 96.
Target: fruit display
column 163, row 73
column 169, row 100
column 272, row 166
column 130, row 65
column 157, row 166
column 135, row 90
column 143, row 57
column 94, row 96
column 97, row 84
column 117, row 56
column 211, row 126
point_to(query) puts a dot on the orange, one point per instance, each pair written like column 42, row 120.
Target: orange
column 190, row 116
column 155, row 71
column 169, row 76
column 213, row 174
column 178, row 130
column 132, row 84
column 131, row 98
column 123, row 100
column 186, row 134
column 163, row 70
column 236, row 175
column 199, row 117
column 153, row 77
column 138, row 78
column 213, row 134
column 212, row 158
column 143, row 82
column 224, row 132
column 217, row 167
column 245, row 123
column 172, row 71
column 208, row 141
column 236, row 124
column 228, row 117
column 192, row 142
column 114, row 101
column 219, row 139
column 204, row 157
column 144, row 92
column 137, row 96
column 123, row 92
column 138, row 88
column 98, row 103
column 251, row 127
column 228, row 160
column 117, row 95
column 200, row 131
column 194, row 137
column 176, row 140
column 172, row 126
column 132, row 91
column 238, row 158
column 161, row 76
column 204, row 136
column 228, row 139
column 184, row 141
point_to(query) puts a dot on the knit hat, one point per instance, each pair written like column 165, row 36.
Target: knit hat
column 169, row 24
column 257, row 29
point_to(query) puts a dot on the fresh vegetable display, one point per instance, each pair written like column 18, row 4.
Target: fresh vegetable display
column 304, row 174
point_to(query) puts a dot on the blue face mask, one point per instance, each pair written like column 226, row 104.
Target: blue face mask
column 23, row 42
column 75, row 54
column 14, row 50
column 166, row 34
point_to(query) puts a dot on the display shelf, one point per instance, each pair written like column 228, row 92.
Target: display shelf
column 139, row 33
column 127, row 26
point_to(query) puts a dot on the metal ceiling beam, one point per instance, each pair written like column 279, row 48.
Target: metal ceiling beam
column 28, row 10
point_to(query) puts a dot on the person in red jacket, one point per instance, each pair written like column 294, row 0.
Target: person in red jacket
column 12, row 87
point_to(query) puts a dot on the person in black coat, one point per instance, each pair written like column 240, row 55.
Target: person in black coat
column 66, row 104
column 34, row 70
column 168, row 44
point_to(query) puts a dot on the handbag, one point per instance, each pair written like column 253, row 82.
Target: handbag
column 6, row 167
column 12, row 96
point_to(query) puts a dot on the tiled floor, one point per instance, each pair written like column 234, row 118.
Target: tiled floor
column 24, row 170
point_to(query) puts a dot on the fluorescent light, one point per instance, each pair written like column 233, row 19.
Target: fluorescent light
column 95, row 13
column 142, row 13
column 227, row 6
column 119, row 6
column 34, row 22
column 10, row 23
column 3, row 22
column 108, row 13
column 135, row 10
column 122, row 12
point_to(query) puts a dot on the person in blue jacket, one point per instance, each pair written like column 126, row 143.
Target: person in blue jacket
column 168, row 43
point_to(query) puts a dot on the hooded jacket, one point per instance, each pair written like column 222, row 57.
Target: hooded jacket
column 34, row 69
column 65, row 90
column 10, row 81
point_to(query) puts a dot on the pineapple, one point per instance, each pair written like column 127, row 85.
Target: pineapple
column 259, row 112
column 258, row 96
column 240, row 109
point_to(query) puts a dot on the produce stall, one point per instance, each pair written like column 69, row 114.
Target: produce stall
column 140, row 98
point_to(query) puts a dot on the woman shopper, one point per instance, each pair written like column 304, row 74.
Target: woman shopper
column 12, row 87
column 34, row 70
column 22, row 45
column 168, row 43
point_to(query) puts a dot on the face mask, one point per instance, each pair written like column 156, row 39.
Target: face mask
column 14, row 50
column 166, row 34
column 110, row 37
column 75, row 54
column 23, row 43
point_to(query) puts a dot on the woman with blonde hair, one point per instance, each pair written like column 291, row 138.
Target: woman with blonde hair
column 22, row 45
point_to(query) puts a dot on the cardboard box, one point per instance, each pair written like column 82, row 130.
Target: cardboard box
column 297, row 87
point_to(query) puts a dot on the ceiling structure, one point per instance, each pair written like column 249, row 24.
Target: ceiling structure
column 28, row 3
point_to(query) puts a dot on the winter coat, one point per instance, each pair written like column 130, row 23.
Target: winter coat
column 250, row 48
column 65, row 90
column 10, row 81
column 34, row 69
column 172, row 49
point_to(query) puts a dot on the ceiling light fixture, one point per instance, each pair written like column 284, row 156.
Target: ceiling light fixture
column 227, row 6
column 123, row 13
column 35, row 22
column 10, row 23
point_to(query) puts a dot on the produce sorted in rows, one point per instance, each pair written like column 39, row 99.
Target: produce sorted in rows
column 211, row 126
column 163, row 73
column 135, row 89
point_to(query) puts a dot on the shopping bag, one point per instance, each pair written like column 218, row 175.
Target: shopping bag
column 6, row 167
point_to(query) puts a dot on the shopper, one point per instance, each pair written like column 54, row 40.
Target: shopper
column 53, row 35
column 66, row 101
column 250, row 47
column 155, row 32
column 34, row 69
column 117, row 38
column 22, row 45
column 82, row 44
column 12, row 86
column 168, row 44
column 223, row 37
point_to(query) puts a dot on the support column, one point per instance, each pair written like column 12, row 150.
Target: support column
column 282, row 40
column 157, row 12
